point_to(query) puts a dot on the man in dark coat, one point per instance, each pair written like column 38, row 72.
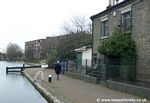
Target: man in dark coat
column 58, row 69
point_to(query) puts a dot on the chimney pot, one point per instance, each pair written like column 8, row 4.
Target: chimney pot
column 117, row 1
column 110, row 3
column 114, row 2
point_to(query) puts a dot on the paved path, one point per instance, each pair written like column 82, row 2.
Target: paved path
column 69, row 90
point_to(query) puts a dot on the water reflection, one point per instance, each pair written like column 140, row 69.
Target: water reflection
column 14, row 88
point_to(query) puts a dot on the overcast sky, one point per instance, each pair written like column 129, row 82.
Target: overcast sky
column 26, row 20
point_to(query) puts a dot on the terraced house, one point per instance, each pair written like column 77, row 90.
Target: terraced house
column 130, row 16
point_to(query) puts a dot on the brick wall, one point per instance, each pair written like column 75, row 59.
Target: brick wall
column 140, row 32
column 141, row 36
column 96, row 35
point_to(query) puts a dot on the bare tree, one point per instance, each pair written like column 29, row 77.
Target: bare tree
column 77, row 34
column 77, row 24
column 67, row 28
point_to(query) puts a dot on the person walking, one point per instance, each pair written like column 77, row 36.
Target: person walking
column 58, row 69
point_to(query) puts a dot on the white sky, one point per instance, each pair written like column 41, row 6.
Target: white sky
column 25, row 20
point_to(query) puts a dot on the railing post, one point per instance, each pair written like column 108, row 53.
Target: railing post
column 76, row 65
column 21, row 70
column 86, row 68
column 99, row 68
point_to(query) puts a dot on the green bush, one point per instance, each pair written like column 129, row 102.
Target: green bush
column 118, row 45
column 121, row 46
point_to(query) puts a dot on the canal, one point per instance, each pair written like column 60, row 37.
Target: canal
column 14, row 88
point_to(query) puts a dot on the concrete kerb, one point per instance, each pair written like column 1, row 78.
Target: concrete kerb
column 48, row 96
column 128, row 88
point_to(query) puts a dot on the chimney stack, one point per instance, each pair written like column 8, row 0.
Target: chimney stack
column 109, row 2
column 117, row 1
column 112, row 3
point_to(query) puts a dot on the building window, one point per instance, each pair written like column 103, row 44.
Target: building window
column 94, row 58
column 104, row 29
column 126, row 21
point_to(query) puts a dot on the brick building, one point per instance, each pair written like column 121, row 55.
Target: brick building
column 35, row 49
column 38, row 49
column 52, row 42
column 129, row 15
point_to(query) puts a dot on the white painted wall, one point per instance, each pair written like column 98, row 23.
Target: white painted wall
column 87, row 54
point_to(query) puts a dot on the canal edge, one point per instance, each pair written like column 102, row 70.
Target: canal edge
column 48, row 96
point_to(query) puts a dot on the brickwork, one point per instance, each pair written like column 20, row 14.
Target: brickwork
column 38, row 49
column 141, row 36
column 115, row 17
column 35, row 49
column 140, row 10
column 96, row 35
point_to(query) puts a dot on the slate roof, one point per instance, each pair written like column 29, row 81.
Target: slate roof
column 113, row 8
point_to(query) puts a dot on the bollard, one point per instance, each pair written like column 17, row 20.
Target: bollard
column 49, row 78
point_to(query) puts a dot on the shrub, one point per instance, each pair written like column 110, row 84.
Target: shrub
column 121, row 46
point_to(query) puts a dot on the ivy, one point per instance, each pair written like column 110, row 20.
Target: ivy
column 118, row 45
column 121, row 46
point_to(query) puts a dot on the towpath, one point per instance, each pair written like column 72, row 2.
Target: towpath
column 69, row 90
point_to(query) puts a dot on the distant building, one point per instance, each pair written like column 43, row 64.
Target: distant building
column 129, row 16
column 38, row 49
column 52, row 42
column 35, row 49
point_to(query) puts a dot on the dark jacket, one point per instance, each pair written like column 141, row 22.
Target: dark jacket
column 58, row 68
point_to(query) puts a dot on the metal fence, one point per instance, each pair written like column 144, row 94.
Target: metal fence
column 81, row 68
column 130, row 72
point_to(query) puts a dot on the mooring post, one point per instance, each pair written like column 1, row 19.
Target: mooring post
column 21, row 70
column 6, row 70
column 23, row 66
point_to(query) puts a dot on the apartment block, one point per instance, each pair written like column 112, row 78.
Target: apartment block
column 38, row 49
column 35, row 49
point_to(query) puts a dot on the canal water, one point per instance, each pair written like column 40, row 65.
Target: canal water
column 14, row 88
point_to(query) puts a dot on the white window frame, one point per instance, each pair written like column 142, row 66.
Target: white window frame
column 125, row 10
column 104, row 18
